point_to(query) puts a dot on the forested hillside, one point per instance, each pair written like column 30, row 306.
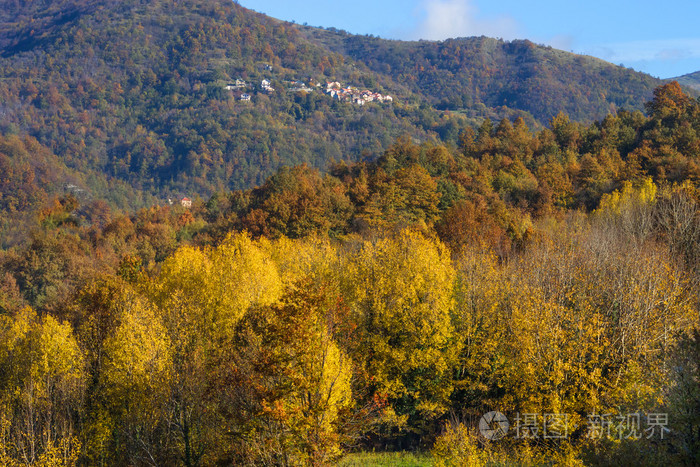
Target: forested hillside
column 479, row 73
column 137, row 91
column 143, row 94
column 385, row 242
column 383, row 305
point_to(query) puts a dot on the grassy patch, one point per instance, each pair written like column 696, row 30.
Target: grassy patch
column 386, row 459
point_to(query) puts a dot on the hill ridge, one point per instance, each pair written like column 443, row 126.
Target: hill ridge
column 690, row 80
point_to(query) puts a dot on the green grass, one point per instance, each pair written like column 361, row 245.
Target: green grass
column 386, row 459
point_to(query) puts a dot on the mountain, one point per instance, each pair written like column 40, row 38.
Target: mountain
column 466, row 72
column 691, row 80
column 136, row 91
column 168, row 98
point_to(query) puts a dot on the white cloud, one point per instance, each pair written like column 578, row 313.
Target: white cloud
column 445, row 19
column 562, row 41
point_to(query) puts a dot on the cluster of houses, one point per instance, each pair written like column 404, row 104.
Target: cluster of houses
column 299, row 86
column 333, row 89
column 238, row 86
column 354, row 95
column 184, row 202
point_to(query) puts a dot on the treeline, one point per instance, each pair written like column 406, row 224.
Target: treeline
column 384, row 305
column 498, row 178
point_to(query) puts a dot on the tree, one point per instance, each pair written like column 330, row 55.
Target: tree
column 135, row 384
column 201, row 295
column 210, row 289
column 283, row 385
column 409, row 198
column 42, row 382
column 399, row 291
column 670, row 102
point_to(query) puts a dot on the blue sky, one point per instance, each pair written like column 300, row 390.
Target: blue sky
column 661, row 38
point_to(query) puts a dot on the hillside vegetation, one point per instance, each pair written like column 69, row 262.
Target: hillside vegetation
column 478, row 73
column 138, row 94
column 356, row 279
column 385, row 305
column 135, row 91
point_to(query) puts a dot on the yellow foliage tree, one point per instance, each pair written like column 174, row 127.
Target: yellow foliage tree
column 399, row 291
column 135, row 384
column 212, row 288
column 42, row 380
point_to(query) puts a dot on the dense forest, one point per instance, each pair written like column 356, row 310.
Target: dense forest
column 516, row 230
column 135, row 97
column 482, row 72
column 380, row 306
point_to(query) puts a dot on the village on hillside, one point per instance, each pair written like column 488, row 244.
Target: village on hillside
column 354, row 95
column 242, row 90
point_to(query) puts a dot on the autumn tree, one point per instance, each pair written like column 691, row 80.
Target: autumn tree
column 133, row 422
column 283, row 385
column 200, row 296
column 42, row 384
column 400, row 294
